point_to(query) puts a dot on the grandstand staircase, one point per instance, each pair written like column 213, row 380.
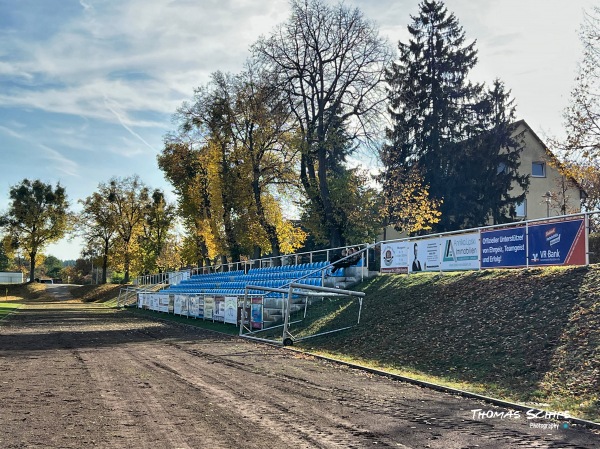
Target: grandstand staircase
column 128, row 295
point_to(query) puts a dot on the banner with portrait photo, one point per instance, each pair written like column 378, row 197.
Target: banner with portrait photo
column 424, row 255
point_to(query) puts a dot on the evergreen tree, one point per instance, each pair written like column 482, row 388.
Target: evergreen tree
column 459, row 135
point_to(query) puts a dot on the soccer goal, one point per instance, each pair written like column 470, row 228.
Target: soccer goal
column 289, row 315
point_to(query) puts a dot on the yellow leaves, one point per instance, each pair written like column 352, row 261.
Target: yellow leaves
column 408, row 205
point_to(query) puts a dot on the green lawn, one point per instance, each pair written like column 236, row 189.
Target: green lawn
column 7, row 308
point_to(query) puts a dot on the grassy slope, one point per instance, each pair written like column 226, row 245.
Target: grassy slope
column 524, row 335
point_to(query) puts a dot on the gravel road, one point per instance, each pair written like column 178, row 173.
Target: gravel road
column 82, row 375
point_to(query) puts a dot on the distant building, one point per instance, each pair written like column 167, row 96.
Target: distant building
column 11, row 277
column 549, row 193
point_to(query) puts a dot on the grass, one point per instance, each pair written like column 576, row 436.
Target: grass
column 6, row 308
column 203, row 324
column 528, row 336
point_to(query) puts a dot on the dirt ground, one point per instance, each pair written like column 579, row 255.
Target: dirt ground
column 82, row 375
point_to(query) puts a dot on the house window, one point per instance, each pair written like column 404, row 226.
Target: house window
column 521, row 209
column 538, row 169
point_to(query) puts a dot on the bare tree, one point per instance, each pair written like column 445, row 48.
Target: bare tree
column 330, row 62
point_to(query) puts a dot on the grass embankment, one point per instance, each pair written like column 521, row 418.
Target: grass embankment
column 530, row 336
column 106, row 294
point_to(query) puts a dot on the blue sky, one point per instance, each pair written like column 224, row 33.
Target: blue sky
column 88, row 87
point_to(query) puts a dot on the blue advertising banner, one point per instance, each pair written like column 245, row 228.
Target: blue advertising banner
column 503, row 248
column 559, row 243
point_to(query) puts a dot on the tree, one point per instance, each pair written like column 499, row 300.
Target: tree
column 330, row 63
column 234, row 140
column 98, row 225
column 488, row 185
column 5, row 263
column 261, row 125
column 53, row 267
column 186, row 167
column 38, row 215
column 407, row 205
column 458, row 134
column 128, row 199
column 582, row 117
column 159, row 220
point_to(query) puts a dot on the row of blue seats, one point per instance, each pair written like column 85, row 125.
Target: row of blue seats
column 229, row 287
column 303, row 266
column 249, row 278
column 227, row 274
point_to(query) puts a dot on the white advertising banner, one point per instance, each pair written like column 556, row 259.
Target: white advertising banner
column 163, row 303
column 154, row 302
column 231, row 305
column 194, row 310
column 181, row 306
column 460, row 252
column 209, row 307
column 175, row 277
column 394, row 257
column 141, row 299
column 424, row 255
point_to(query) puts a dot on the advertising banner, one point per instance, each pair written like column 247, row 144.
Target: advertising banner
column 141, row 299
column 178, row 307
column 231, row 305
column 503, row 248
column 394, row 257
column 219, row 310
column 559, row 243
column 460, row 252
column 424, row 255
column 209, row 307
column 154, row 302
column 256, row 313
column 163, row 303
column 194, row 308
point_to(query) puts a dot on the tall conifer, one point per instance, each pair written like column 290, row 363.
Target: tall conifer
column 442, row 122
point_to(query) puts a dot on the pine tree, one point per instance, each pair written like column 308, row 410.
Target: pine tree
column 459, row 135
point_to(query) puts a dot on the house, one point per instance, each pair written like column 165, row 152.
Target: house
column 549, row 192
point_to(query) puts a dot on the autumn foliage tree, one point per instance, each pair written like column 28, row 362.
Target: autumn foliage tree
column 329, row 61
column 37, row 216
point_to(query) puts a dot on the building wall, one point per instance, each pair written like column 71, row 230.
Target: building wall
column 11, row 277
column 536, row 205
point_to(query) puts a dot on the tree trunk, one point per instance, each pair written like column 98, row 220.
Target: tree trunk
column 127, row 263
column 331, row 223
column 32, row 266
column 270, row 230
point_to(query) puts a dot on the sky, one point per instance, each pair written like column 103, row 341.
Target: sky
column 88, row 88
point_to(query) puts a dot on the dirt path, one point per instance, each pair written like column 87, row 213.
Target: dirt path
column 76, row 376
